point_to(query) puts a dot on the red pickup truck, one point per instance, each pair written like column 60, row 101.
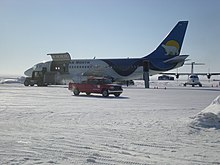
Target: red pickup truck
column 96, row 85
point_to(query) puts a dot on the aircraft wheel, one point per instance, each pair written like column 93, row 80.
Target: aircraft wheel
column 87, row 93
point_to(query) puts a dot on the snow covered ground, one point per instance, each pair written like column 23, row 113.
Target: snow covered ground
column 48, row 125
column 210, row 116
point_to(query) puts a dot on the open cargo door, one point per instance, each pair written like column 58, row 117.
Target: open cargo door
column 60, row 56
column 60, row 62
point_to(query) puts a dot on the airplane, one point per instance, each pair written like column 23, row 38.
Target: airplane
column 12, row 80
column 193, row 78
column 164, row 58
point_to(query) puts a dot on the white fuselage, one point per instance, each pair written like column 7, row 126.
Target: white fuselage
column 80, row 69
column 193, row 80
column 100, row 68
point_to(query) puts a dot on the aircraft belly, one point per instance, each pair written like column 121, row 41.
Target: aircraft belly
column 137, row 74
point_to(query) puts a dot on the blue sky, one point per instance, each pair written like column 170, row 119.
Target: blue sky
column 30, row 29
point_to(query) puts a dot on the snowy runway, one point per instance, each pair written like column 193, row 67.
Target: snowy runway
column 49, row 125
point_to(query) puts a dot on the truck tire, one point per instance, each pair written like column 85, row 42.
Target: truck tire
column 76, row 91
column 88, row 93
column 26, row 83
column 105, row 93
column 117, row 94
column 40, row 83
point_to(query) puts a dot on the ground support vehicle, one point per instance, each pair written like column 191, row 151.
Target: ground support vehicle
column 42, row 78
column 36, row 78
column 165, row 77
column 96, row 85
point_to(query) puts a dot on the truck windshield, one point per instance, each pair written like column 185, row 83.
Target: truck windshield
column 107, row 81
column 99, row 81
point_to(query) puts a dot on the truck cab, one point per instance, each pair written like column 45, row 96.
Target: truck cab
column 36, row 78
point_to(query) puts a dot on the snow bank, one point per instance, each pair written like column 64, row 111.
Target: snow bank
column 210, row 116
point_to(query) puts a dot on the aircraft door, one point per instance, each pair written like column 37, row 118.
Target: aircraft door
column 60, row 66
column 60, row 62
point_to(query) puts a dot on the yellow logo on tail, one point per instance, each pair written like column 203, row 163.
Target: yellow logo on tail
column 171, row 47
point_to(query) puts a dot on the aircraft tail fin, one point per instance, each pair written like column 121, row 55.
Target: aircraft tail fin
column 172, row 44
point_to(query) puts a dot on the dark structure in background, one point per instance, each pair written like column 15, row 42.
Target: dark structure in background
column 165, row 77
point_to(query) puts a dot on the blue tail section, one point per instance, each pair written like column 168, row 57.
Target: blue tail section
column 165, row 57
column 172, row 44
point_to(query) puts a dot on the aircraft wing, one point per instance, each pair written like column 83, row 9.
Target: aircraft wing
column 174, row 74
column 201, row 74
column 208, row 74
column 204, row 74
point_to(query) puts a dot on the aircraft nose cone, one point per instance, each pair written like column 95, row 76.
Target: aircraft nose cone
column 29, row 72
